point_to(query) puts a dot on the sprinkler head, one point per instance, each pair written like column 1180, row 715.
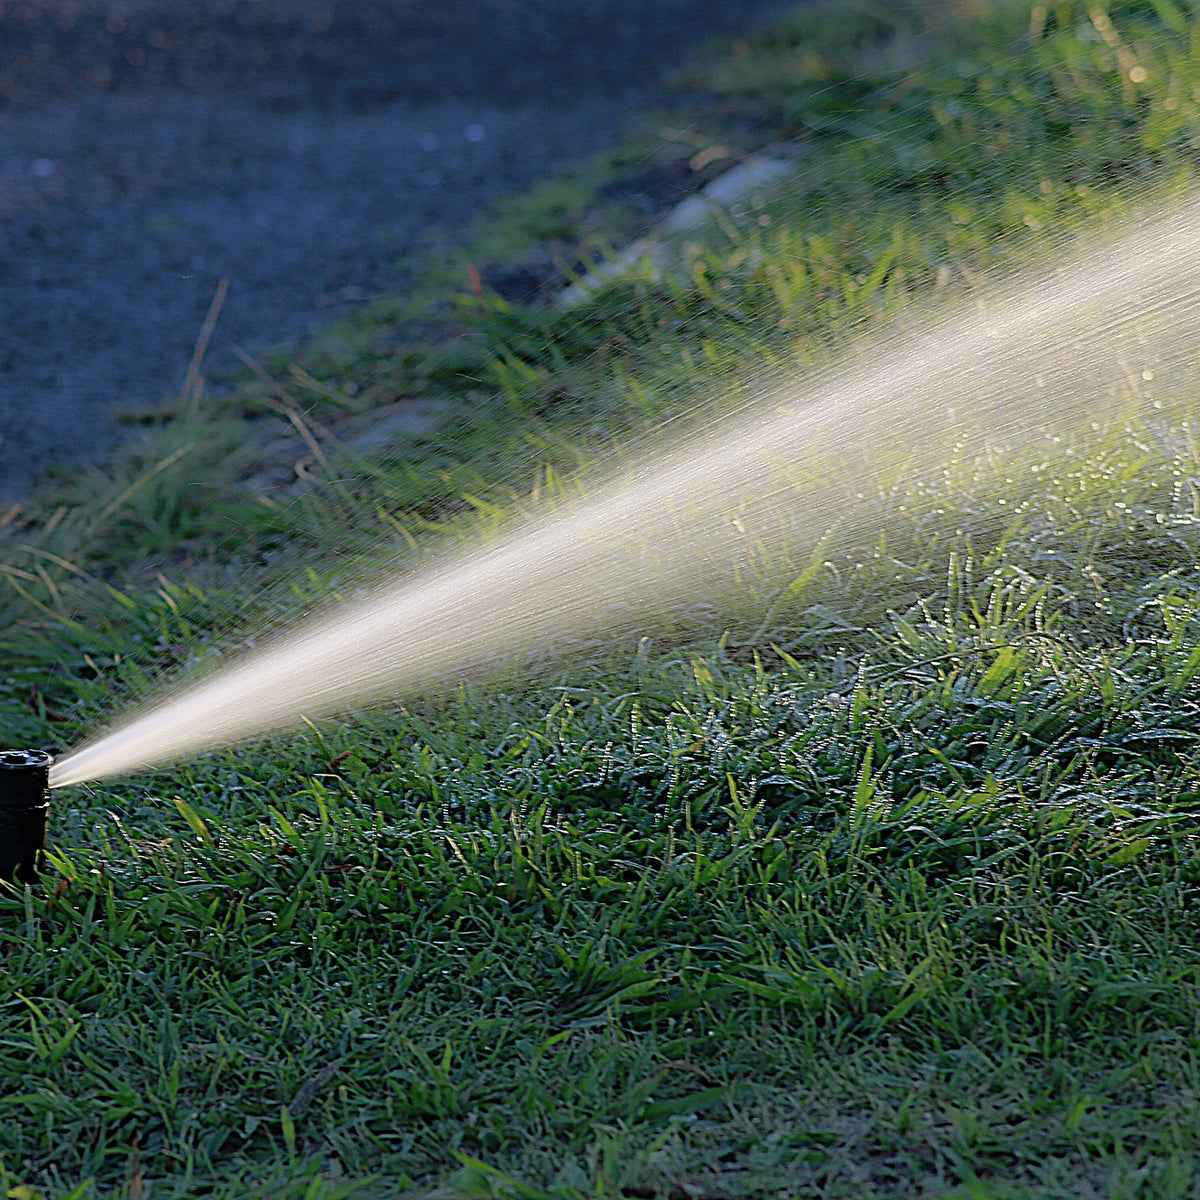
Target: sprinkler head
column 24, row 813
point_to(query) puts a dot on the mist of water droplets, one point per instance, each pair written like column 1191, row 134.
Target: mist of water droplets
column 1059, row 349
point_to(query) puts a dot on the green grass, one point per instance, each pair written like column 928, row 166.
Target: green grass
column 881, row 885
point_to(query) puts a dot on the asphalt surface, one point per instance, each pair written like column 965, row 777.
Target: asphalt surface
column 149, row 148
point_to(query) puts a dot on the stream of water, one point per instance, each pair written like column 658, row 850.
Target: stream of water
column 1061, row 350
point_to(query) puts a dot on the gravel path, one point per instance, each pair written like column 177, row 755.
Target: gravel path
column 298, row 147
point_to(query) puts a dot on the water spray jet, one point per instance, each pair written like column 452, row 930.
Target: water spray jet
column 24, row 813
column 1052, row 353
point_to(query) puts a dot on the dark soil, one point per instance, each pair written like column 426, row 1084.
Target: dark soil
column 149, row 148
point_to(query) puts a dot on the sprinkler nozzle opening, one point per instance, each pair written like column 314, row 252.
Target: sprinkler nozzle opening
column 24, row 813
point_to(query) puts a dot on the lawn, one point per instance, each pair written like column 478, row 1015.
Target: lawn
column 875, row 876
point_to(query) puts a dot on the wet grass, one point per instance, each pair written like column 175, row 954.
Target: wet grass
column 884, row 886
column 706, row 931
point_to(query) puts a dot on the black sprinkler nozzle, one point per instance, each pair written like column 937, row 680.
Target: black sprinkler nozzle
column 24, row 813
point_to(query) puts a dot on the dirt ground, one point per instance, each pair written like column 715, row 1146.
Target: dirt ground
column 149, row 148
